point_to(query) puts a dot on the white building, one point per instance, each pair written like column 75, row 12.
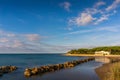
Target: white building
column 102, row 53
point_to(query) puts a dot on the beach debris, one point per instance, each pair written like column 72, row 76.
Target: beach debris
column 7, row 69
column 51, row 68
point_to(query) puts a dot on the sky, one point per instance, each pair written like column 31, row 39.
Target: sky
column 56, row 26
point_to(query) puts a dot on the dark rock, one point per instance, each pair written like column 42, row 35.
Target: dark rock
column 27, row 72
column 50, row 68
column 7, row 69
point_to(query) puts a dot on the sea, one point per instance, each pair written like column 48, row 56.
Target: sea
column 23, row 61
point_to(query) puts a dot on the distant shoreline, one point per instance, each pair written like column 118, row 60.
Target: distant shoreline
column 91, row 55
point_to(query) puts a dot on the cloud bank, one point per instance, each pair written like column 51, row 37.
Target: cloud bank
column 27, row 43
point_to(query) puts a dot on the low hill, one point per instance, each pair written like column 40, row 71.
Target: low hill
column 113, row 49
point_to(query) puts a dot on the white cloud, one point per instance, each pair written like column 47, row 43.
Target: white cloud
column 94, row 15
column 101, row 19
column 32, row 37
column 104, row 17
column 30, row 43
column 114, row 5
column 7, row 34
column 92, row 11
column 87, row 16
column 99, row 4
column 83, row 19
column 11, row 35
column 66, row 5
column 17, row 43
column 3, row 40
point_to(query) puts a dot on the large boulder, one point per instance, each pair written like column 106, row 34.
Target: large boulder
column 27, row 72
column 35, row 71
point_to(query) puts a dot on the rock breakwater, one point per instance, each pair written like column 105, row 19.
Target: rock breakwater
column 50, row 68
column 7, row 69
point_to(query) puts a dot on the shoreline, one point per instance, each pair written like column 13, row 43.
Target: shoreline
column 91, row 55
column 104, row 71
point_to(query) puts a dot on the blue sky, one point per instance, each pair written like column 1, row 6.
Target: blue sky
column 58, row 25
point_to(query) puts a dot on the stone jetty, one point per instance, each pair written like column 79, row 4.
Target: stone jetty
column 7, row 69
column 50, row 68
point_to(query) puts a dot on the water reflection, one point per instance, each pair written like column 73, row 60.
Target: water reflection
column 102, row 59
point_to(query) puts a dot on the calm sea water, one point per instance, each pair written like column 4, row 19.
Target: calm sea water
column 31, row 60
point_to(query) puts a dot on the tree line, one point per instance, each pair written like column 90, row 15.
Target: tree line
column 112, row 49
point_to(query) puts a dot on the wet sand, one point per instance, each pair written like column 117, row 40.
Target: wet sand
column 81, row 72
column 103, row 70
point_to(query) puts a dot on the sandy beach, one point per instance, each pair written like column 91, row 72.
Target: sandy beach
column 107, row 71
column 91, row 55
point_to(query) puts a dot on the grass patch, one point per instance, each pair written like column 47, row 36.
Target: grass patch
column 114, row 73
column 109, row 71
